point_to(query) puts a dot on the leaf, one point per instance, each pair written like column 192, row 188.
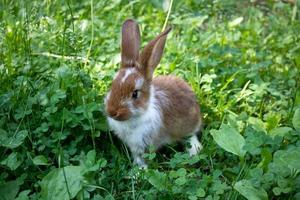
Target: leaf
column 235, row 22
column 90, row 158
column 161, row 4
column 180, row 181
column 200, row 193
column 296, row 119
column 102, row 124
column 297, row 196
column 40, row 160
column 257, row 124
column 9, row 190
column 233, row 121
column 12, row 141
column 266, row 158
column 179, row 173
column 59, row 94
column 281, row 131
column 245, row 188
column 23, row 195
column 289, row 158
column 192, row 197
column 253, row 142
column 43, row 128
column 13, row 161
column 157, row 179
column 272, row 120
column 63, row 183
column 277, row 190
column 229, row 139
column 219, row 187
column 91, row 164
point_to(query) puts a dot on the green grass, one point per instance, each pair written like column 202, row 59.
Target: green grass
column 57, row 60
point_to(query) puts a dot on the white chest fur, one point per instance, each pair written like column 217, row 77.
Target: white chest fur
column 140, row 132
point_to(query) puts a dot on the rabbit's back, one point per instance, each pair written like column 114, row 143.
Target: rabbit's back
column 180, row 109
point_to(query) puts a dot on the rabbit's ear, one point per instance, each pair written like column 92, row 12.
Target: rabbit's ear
column 130, row 43
column 152, row 53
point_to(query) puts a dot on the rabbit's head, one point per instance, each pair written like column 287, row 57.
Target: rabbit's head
column 131, row 88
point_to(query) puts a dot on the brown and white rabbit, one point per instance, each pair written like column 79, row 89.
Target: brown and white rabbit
column 144, row 111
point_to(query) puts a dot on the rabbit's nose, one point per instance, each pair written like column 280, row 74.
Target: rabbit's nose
column 119, row 115
column 112, row 113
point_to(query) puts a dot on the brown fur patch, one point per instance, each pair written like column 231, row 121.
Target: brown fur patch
column 181, row 113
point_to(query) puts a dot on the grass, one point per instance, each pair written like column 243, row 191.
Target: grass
column 58, row 58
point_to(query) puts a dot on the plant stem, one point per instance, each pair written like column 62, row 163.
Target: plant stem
column 92, row 37
column 168, row 15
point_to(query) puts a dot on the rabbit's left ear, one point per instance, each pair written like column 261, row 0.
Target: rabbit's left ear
column 130, row 43
column 152, row 53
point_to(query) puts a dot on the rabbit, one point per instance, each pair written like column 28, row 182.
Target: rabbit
column 144, row 111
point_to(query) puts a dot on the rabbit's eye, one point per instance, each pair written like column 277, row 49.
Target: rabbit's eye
column 135, row 94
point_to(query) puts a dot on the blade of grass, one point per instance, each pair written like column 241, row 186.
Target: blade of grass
column 168, row 15
column 92, row 36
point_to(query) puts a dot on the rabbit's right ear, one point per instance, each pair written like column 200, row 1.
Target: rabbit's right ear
column 130, row 43
column 152, row 53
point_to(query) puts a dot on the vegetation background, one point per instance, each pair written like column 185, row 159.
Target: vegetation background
column 57, row 59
